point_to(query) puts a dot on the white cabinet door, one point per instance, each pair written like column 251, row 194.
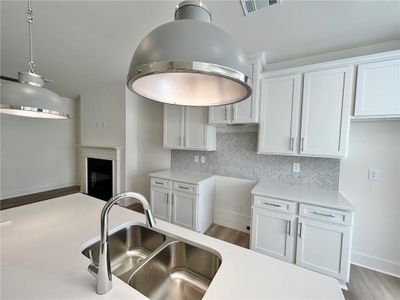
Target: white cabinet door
column 184, row 210
column 220, row 114
column 326, row 112
column 160, row 203
column 196, row 128
column 378, row 89
column 173, row 126
column 279, row 118
column 323, row 247
column 272, row 233
column 246, row 111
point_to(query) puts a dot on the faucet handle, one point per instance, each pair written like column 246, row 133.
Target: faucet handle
column 93, row 268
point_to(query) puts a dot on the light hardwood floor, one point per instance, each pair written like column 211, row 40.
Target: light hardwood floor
column 364, row 284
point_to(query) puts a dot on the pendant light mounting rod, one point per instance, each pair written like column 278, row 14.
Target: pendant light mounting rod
column 29, row 19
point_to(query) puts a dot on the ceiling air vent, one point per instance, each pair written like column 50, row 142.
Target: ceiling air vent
column 250, row 6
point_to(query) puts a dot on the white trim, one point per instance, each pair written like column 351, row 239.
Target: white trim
column 333, row 64
column 232, row 219
column 376, row 263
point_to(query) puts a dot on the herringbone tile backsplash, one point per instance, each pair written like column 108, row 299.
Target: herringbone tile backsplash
column 236, row 156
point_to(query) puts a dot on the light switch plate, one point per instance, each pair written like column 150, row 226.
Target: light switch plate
column 196, row 159
column 203, row 159
column 296, row 168
column 373, row 174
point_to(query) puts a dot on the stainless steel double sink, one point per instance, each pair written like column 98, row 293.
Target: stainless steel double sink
column 159, row 265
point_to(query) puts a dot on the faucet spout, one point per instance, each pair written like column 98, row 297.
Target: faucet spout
column 104, row 283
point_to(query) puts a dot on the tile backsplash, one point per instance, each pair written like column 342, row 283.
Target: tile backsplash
column 236, row 156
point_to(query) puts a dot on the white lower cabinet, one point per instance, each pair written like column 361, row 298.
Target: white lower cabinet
column 273, row 234
column 184, row 210
column 313, row 237
column 324, row 247
column 183, row 204
column 160, row 199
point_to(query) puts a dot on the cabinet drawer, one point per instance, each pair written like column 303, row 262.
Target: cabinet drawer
column 275, row 204
column 161, row 183
column 326, row 214
column 186, row 187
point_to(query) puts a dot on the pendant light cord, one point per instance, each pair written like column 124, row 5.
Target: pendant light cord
column 29, row 19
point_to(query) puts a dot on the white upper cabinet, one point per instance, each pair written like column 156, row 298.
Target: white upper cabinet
column 220, row 114
column 378, row 89
column 280, row 111
column 187, row 128
column 173, row 126
column 326, row 112
column 198, row 135
column 242, row 112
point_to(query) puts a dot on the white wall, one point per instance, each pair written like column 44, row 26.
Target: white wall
column 38, row 154
column 376, row 237
column 129, row 121
column 151, row 156
column 232, row 202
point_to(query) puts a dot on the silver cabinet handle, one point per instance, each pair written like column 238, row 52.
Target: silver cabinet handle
column 272, row 204
column 324, row 215
column 158, row 182
column 226, row 113
column 291, row 143
column 300, row 230
column 289, row 224
column 302, row 144
column 167, row 198
column 183, row 187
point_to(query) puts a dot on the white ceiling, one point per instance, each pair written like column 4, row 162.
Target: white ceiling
column 85, row 44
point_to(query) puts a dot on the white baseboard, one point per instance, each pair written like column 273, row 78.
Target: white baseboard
column 12, row 194
column 231, row 219
column 375, row 263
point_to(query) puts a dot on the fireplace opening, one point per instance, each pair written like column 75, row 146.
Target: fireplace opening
column 99, row 178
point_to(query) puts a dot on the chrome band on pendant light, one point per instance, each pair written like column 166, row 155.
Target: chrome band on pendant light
column 190, row 61
column 26, row 96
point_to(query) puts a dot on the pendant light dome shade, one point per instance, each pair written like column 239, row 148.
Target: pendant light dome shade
column 190, row 61
column 27, row 96
column 30, row 100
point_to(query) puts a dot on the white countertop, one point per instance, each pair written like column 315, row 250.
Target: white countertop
column 304, row 195
column 181, row 175
column 41, row 259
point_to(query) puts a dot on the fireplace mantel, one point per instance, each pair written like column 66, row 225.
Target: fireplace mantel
column 112, row 153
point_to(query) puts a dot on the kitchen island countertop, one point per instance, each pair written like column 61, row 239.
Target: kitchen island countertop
column 41, row 258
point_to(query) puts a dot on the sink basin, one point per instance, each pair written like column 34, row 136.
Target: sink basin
column 128, row 247
column 178, row 271
column 159, row 265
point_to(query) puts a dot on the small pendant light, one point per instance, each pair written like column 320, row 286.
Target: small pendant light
column 26, row 96
column 190, row 61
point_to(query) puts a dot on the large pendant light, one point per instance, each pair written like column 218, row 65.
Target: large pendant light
column 190, row 61
column 26, row 96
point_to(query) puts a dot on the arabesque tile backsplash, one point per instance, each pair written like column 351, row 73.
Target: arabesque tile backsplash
column 236, row 156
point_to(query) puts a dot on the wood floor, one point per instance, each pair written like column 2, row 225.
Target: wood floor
column 364, row 284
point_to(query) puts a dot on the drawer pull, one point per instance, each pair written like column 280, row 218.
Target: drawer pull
column 183, row 187
column 158, row 182
column 272, row 204
column 324, row 215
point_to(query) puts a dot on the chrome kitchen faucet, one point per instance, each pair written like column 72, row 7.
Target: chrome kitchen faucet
column 103, row 271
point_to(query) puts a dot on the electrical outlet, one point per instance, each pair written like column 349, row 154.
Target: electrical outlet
column 203, row 159
column 296, row 168
column 373, row 174
column 196, row 159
